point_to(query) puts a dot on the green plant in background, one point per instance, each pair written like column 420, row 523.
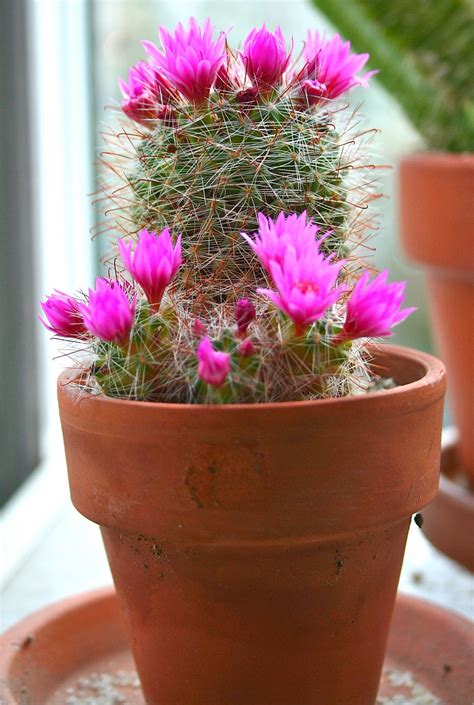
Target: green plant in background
column 425, row 53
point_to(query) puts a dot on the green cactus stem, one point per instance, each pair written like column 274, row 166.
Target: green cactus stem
column 209, row 173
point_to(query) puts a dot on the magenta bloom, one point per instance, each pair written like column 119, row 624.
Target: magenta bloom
column 145, row 94
column 109, row 312
column 190, row 58
column 265, row 57
column 331, row 69
column 244, row 312
column 154, row 262
column 63, row 316
column 275, row 236
column 306, row 285
column 374, row 308
column 213, row 365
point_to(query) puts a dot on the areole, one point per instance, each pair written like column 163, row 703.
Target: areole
column 256, row 549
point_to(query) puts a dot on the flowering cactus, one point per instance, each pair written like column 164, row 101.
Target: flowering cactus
column 236, row 279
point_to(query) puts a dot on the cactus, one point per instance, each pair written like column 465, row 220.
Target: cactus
column 425, row 54
column 209, row 173
column 202, row 159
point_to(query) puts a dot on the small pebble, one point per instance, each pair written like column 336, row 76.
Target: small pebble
column 102, row 689
column 406, row 691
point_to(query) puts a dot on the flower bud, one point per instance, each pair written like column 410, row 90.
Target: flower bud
column 63, row 316
column 246, row 348
column 153, row 263
column 265, row 57
column 244, row 312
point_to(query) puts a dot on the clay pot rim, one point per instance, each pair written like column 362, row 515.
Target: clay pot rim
column 427, row 181
column 54, row 611
column 13, row 641
column 431, row 384
column 446, row 160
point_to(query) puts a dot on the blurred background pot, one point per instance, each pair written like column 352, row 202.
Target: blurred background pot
column 437, row 219
column 256, row 549
column 424, row 53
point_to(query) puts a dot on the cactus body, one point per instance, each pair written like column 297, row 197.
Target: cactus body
column 283, row 156
column 209, row 173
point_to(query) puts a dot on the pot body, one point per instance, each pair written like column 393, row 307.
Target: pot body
column 437, row 224
column 256, row 549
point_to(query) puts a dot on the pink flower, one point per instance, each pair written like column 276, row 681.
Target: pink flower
column 146, row 94
column 244, row 312
column 331, row 69
column 374, row 308
column 154, row 262
column 109, row 313
column 265, row 57
column 306, row 285
column 213, row 365
column 275, row 236
column 190, row 58
column 63, row 316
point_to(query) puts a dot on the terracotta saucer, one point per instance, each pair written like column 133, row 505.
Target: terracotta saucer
column 448, row 522
column 75, row 653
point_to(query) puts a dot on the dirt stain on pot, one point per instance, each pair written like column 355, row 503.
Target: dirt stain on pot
column 193, row 489
column 225, row 476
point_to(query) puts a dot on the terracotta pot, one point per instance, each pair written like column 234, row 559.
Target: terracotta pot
column 448, row 521
column 437, row 224
column 256, row 549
